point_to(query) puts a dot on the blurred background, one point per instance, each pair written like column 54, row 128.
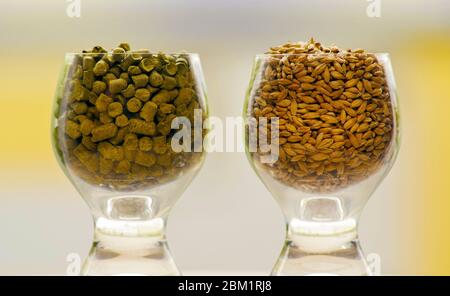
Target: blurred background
column 226, row 222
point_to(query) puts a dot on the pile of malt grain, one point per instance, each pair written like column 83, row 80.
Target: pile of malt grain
column 335, row 114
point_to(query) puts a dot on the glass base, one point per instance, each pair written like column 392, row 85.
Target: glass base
column 321, row 240
column 347, row 260
column 129, row 248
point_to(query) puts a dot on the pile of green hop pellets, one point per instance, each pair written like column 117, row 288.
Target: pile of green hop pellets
column 115, row 115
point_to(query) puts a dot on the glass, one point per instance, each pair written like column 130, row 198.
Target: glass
column 321, row 185
column 132, row 180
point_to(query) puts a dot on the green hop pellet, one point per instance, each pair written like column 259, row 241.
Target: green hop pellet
column 73, row 129
column 147, row 64
column 145, row 159
column 123, row 167
column 115, row 109
column 102, row 102
column 120, row 99
column 184, row 96
column 108, row 77
column 121, row 120
column 104, row 132
column 129, row 92
column 105, row 165
column 79, row 107
column 80, row 118
column 87, row 126
column 136, row 56
column 164, row 125
column 100, row 118
column 89, row 96
column 166, row 58
column 109, row 151
column 155, row 79
column 116, row 71
column 131, row 142
column 125, row 46
column 166, row 108
column 142, row 94
column 71, row 115
column 126, row 62
column 169, row 83
column 142, row 127
column 92, row 110
column 98, row 87
column 145, row 144
column 181, row 110
column 172, row 94
column 171, row 69
column 87, row 142
column 182, row 81
column 105, row 118
column 87, row 158
column 140, row 80
column 107, row 58
column 125, row 76
column 99, row 49
column 134, row 105
column 120, row 136
column 78, row 91
column 101, row 68
column 134, row 70
column 78, row 72
column 117, row 85
column 88, row 63
column 159, row 145
column 148, row 111
column 164, row 160
column 162, row 97
column 130, row 155
column 88, row 79
column 182, row 65
column 152, row 89
column 118, row 54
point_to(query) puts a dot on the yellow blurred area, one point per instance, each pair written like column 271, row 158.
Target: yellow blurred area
column 27, row 136
column 427, row 72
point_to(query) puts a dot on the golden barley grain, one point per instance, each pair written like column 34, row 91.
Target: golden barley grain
column 335, row 114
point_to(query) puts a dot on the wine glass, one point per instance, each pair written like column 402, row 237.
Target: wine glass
column 113, row 132
column 321, row 133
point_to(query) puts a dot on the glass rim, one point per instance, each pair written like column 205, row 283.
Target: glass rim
column 127, row 53
column 318, row 54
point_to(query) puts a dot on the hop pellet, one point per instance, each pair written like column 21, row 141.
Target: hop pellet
column 116, row 115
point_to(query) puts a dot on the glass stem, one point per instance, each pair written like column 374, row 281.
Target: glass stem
column 309, row 253
column 129, row 248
